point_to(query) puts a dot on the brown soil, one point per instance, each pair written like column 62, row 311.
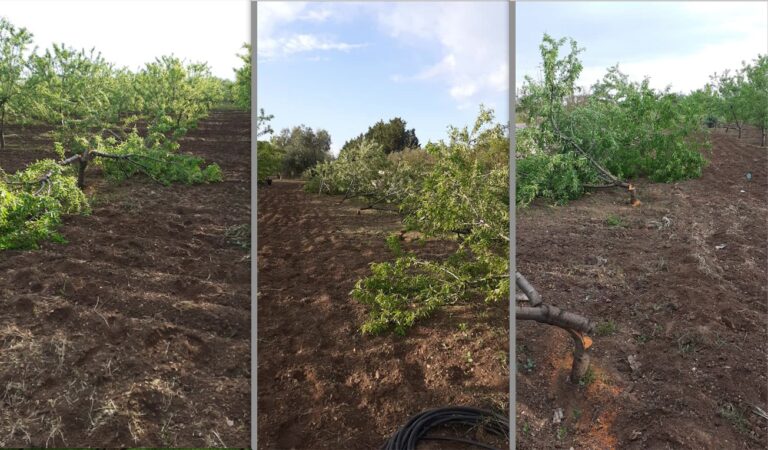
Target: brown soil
column 323, row 385
column 686, row 296
column 136, row 332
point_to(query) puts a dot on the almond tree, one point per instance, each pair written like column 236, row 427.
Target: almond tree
column 13, row 62
column 173, row 97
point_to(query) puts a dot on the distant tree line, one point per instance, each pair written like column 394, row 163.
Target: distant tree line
column 292, row 152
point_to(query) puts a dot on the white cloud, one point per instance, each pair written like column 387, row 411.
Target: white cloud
column 473, row 40
column 273, row 42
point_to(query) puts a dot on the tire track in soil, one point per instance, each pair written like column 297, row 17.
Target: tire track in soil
column 136, row 332
column 321, row 384
column 693, row 314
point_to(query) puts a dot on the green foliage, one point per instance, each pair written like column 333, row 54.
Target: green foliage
column 557, row 178
column 606, row 328
column 31, row 212
column 269, row 160
column 241, row 88
column 459, row 186
column 70, row 90
column 621, row 128
column 302, row 148
column 161, row 165
column 13, row 53
column 402, row 292
column 354, row 173
column 392, row 136
column 174, row 96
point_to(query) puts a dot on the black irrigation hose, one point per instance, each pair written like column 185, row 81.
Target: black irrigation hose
column 417, row 427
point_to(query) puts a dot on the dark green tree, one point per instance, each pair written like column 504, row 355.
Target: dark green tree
column 302, row 148
column 392, row 136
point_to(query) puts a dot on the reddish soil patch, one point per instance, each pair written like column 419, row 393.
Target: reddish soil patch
column 323, row 385
column 678, row 283
column 136, row 332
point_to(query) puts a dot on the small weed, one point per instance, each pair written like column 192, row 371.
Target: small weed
column 642, row 338
column 562, row 432
column 576, row 413
column 469, row 358
column 688, row 343
column 463, row 327
column 734, row 415
column 529, row 365
column 606, row 328
column 503, row 358
column 719, row 341
column 588, row 378
column 615, row 221
column 526, row 428
column 239, row 235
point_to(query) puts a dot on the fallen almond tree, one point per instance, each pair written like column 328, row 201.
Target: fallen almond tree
column 617, row 131
column 34, row 200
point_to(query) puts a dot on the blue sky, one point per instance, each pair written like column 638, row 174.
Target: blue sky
column 675, row 43
column 344, row 66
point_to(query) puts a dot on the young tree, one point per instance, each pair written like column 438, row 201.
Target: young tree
column 174, row 96
column 242, row 85
column 756, row 94
column 732, row 98
column 13, row 61
column 69, row 89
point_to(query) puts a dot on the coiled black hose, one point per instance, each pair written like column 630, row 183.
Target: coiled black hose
column 417, row 427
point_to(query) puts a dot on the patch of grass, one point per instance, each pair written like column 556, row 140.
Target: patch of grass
column 733, row 414
column 606, row 328
column 239, row 235
column 688, row 343
column 576, row 413
column 615, row 221
column 588, row 378
column 642, row 338
column 503, row 358
column 463, row 327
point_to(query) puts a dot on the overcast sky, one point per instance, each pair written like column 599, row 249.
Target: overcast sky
column 675, row 43
column 132, row 33
column 344, row 66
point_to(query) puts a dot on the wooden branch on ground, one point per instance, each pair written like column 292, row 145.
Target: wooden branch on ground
column 575, row 325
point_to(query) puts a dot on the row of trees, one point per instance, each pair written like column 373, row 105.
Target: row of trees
column 294, row 151
column 96, row 111
column 83, row 94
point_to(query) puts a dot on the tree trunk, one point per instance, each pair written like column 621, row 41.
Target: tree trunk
column 81, row 174
column 2, row 128
column 81, row 168
column 763, row 140
column 739, row 132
